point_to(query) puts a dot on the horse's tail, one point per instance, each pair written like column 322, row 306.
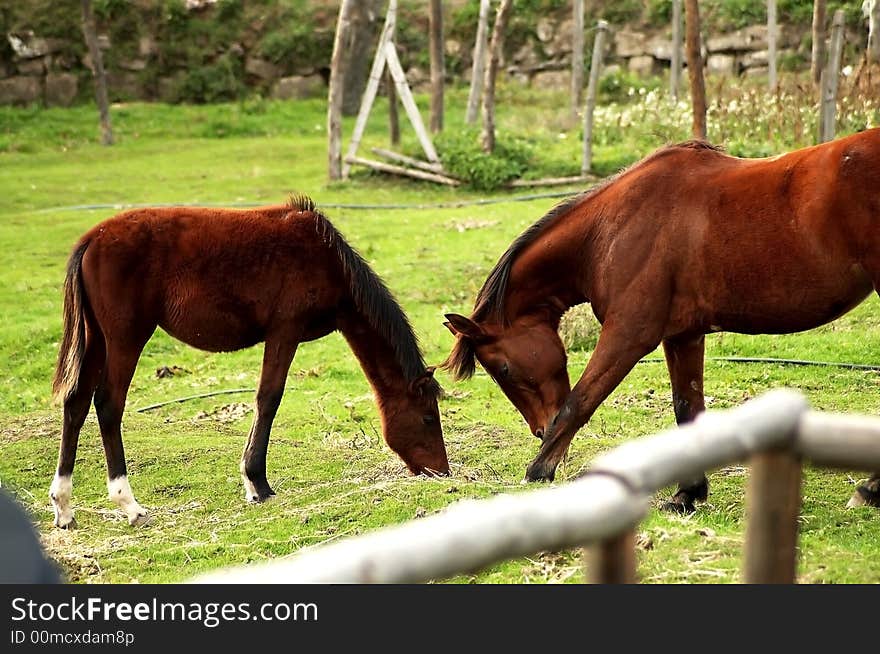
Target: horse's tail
column 73, row 343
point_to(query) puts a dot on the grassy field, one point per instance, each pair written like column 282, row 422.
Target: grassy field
column 327, row 462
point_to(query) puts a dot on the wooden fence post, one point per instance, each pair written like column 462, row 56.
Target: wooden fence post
column 335, row 92
column 817, row 63
column 771, row 45
column 873, row 50
column 773, row 503
column 577, row 56
column 473, row 103
column 487, row 136
column 695, row 67
column 89, row 32
column 595, row 68
column 613, row 561
column 675, row 65
column 828, row 105
column 438, row 67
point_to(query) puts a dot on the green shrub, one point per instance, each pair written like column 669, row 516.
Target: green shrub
column 463, row 158
column 216, row 82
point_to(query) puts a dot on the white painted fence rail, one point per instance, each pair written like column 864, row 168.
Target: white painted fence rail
column 602, row 509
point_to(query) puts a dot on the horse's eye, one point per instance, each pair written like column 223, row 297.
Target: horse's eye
column 428, row 419
column 505, row 370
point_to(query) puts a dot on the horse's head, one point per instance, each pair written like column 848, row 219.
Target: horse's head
column 412, row 426
column 526, row 359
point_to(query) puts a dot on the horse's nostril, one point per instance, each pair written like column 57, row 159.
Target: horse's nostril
column 539, row 433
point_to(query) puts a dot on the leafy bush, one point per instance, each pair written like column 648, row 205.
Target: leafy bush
column 216, row 82
column 463, row 158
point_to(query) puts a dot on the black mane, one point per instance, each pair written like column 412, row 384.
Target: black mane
column 489, row 304
column 371, row 296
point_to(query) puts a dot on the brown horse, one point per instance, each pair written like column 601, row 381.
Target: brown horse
column 224, row 280
column 686, row 242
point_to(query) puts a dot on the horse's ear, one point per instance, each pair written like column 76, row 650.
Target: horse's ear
column 461, row 326
column 420, row 384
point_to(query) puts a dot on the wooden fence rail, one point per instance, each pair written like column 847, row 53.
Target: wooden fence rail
column 601, row 510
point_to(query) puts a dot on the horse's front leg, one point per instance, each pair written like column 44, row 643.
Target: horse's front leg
column 620, row 346
column 277, row 357
column 684, row 359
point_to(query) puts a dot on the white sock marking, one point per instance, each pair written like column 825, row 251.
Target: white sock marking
column 120, row 492
column 60, row 492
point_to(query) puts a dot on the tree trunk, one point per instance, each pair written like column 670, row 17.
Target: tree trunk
column 393, row 116
column 818, row 60
column 695, row 67
column 873, row 51
column 334, row 93
column 479, row 61
column 364, row 25
column 438, row 66
column 487, row 138
column 89, row 31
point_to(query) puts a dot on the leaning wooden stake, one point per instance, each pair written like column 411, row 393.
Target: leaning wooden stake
column 372, row 86
column 695, row 67
column 773, row 503
column 827, row 116
column 473, row 103
column 335, row 92
column 89, row 32
column 613, row 561
column 595, row 68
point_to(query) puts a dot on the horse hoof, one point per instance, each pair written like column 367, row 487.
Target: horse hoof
column 259, row 498
column 139, row 519
column 70, row 524
column 682, row 507
column 864, row 496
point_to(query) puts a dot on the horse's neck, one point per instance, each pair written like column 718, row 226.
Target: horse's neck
column 377, row 358
column 549, row 272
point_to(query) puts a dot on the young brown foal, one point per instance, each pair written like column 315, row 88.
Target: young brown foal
column 223, row 280
column 686, row 242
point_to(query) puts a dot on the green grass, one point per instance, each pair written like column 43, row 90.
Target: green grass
column 332, row 472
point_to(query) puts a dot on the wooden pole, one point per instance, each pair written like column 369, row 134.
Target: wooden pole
column 772, row 506
column 393, row 116
column 487, row 137
column 675, row 65
column 873, row 51
column 771, row 45
column 577, row 57
column 817, row 63
column 613, row 561
column 91, row 37
column 335, row 92
column 479, row 64
column 360, row 123
column 409, row 103
column 827, row 117
column 595, row 68
column 695, row 67
column 438, row 68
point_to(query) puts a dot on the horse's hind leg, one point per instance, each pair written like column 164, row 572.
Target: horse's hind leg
column 76, row 408
column 109, row 404
column 868, row 494
column 277, row 357
column 684, row 359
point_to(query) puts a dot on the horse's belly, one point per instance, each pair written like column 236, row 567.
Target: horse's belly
column 798, row 310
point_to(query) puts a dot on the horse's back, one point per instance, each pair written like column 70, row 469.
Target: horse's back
column 217, row 279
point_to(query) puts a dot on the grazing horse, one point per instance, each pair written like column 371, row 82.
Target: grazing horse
column 223, row 280
column 686, row 242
